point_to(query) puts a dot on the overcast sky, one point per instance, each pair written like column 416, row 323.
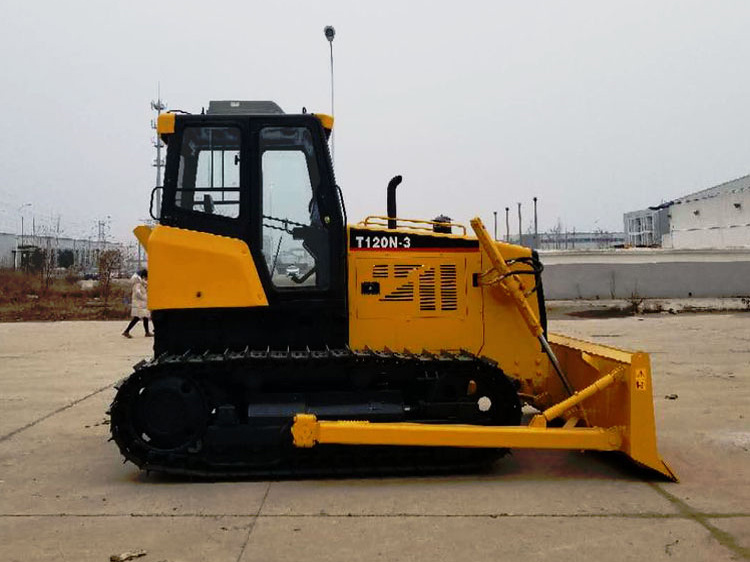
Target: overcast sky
column 595, row 107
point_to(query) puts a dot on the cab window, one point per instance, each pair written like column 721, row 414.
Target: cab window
column 295, row 240
column 208, row 179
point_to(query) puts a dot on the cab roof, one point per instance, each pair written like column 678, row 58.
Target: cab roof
column 230, row 107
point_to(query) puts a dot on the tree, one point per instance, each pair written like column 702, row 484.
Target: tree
column 48, row 263
column 33, row 259
column 555, row 233
column 65, row 258
column 110, row 261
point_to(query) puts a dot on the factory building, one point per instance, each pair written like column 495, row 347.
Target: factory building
column 717, row 217
column 15, row 251
column 645, row 228
column 575, row 240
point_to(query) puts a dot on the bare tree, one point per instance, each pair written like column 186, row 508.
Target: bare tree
column 110, row 261
column 554, row 234
column 48, row 264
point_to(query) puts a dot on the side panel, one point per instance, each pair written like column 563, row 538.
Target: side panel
column 422, row 291
column 189, row 269
column 413, row 291
column 507, row 338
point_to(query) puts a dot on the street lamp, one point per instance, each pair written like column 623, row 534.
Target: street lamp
column 330, row 33
column 21, row 214
column 520, row 228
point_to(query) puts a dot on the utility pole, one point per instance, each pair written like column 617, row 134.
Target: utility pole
column 507, row 225
column 520, row 232
column 495, row 213
column 158, row 106
column 20, row 212
column 330, row 33
column 102, row 230
column 536, row 228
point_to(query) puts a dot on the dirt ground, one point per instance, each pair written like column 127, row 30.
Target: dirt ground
column 65, row 494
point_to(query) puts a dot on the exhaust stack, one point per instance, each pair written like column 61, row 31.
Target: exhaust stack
column 392, row 185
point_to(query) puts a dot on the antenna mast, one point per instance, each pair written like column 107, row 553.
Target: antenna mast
column 330, row 33
column 158, row 163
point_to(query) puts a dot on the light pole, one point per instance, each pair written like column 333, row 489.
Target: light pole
column 330, row 33
column 158, row 106
column 520, row 232
column 20, row 209
column 495, row 213
column 21, row 247
column 507, row 225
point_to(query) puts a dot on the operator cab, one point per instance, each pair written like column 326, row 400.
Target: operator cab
column 247, row 170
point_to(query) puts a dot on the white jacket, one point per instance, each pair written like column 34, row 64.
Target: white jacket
column 139, row 298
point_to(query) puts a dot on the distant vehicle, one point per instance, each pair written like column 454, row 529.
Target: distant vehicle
column 91, row 274
column 292, row 270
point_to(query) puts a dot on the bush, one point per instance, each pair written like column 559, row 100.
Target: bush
column 16, row 284
column 65, row 258
column 21, row 298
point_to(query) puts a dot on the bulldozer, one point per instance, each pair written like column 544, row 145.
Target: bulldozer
column 289, row 341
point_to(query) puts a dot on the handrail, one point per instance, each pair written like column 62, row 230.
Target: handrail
column 377, row 220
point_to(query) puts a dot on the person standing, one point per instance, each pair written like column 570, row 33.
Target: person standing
column 139, row 303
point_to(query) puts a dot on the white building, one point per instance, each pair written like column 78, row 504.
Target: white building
column 717, row 217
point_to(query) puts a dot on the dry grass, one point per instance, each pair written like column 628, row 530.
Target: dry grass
column 22, row 298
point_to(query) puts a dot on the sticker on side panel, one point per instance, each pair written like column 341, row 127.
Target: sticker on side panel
column 640, row 379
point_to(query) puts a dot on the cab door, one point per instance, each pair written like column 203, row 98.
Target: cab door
column 299, row 243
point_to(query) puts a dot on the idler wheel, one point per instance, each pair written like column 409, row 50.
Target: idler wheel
column 169, row 413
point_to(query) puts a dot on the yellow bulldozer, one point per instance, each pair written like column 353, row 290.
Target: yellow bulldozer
column 288, row 341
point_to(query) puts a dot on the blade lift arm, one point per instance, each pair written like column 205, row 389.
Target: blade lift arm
column 514, row 288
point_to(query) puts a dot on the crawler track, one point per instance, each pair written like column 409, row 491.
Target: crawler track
column 229, row 414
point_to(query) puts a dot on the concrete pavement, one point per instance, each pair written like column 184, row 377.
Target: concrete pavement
column 65, row 495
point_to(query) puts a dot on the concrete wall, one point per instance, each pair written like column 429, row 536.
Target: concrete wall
column 646, row 273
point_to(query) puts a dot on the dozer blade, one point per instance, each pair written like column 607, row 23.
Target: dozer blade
column 626, row 404
column 612, row 411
